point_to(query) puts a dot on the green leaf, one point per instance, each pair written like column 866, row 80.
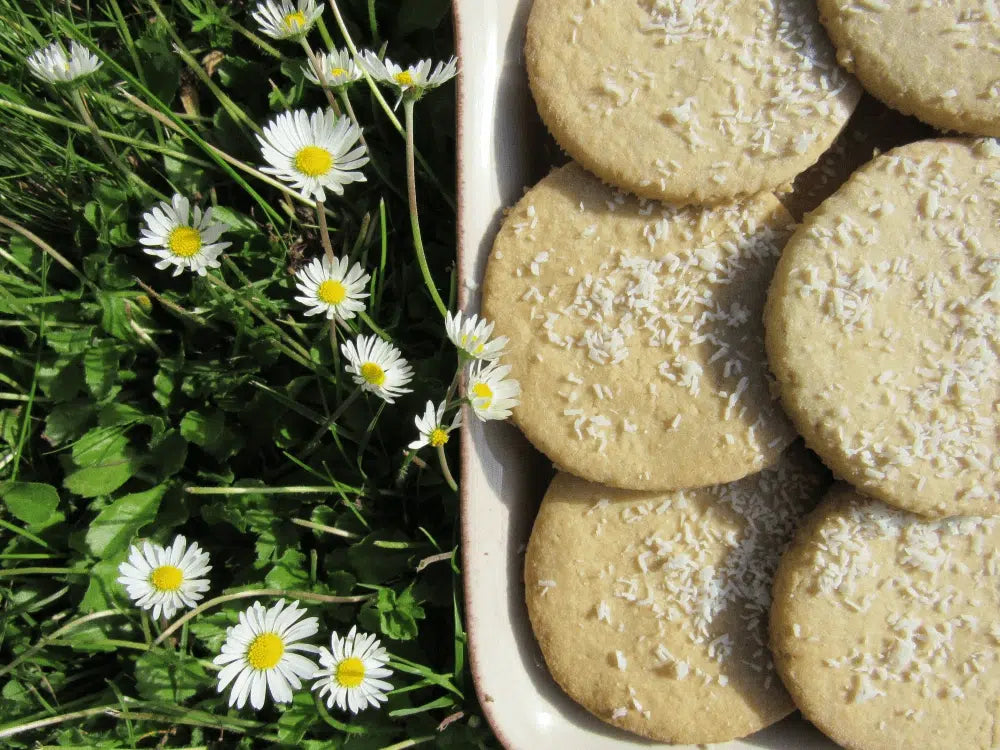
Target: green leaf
column 289, row 571
column 296, row 719
column 114, row 528
column 16, row 698
column 105, row 462
column 31, row 502
column 168, row 675
column 66, row 421
column 103, row 591
column 100, row 368
column 168, row 454
column 201, row 428
column 398, row 613
column 210, row 627
column 239, row 224
column 117, row 310
column 373, row 564
column 94, row 481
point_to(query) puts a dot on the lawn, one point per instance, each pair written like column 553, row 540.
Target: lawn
column 192, row 303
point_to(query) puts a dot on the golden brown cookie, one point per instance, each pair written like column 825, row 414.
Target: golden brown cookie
column 939, row 61
column 693, row 102
column 635, row 332
column 883, row 322
column 885, row 626
column 651, row 609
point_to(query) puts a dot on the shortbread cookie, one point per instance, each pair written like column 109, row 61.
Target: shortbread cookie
column 872, row 129
column 635, row 331
column 693, row 102
column 939, row 61
column 885, row 626
column 883, row 323
column 651, row 609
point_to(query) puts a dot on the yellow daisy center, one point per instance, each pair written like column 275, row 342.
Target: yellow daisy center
column 295, row 20
column 350, row 672
column 438, row 437
column 337, row 72
column 265, row 651
column 313, row 161
column 166, row 578
column 331, row 292
column 481, row 390
column 372, row 373
column 184, row 241
column 404, row 78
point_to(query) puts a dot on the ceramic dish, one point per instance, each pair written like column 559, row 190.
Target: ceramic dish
column 501, row 150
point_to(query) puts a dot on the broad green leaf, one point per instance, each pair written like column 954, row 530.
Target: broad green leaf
column 239, row 224
column 66, row 421
column 105, row 462
column 94, row 481
column 289, row 571
column 398, row 613
column 296, row 719
column 115, row 526
column 100, row 368
column 374, row 564
column 168, row 675
column 31, row 502
column 210, row 627
column 103, row 591
column 168, row 454
column 202, row 428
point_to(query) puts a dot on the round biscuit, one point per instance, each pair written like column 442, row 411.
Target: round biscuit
column 651, row 609
column 692, row 102
column 882, row 325
column 938, row 61
column 635, row 332
column 885, row 625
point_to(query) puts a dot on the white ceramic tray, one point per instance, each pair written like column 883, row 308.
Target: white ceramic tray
column 500, row 153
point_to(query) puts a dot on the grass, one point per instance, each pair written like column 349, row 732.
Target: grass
column 138, row 405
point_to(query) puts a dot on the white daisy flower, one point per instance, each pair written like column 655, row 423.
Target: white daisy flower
column 52, row 65
column 332, row 289
column 491, row 393
column 352, row 672
column 259, row 655
column 285, row 19
column 183, row 237
column 413, row 81
column 471, row 336
column 313, row 153
column 433, row 431
column 377, row 366
column 165, row 579
column 338, row 67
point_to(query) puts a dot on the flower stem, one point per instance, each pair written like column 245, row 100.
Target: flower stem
column 384, row 104
column 320, row 74
column 445, row 470
column 331, row 420
column 411, row 191
column 18, row 728
column 324, row 231
column 290, row 342
column 28, row 653
column 47, row 248
column 304, row 490
column 88, row 120
column 252, row 593
column 346, row 100
column 11, row 572
column 325, row 529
